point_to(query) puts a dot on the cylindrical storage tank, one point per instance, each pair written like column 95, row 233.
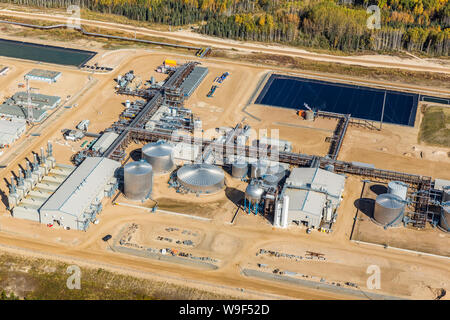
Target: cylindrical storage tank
column 444, row 220
column 309, row 115
column 271, row 179
column 159, row 155
column 258, row 169
column 127, row 103
column 389, row 210
column 398, row 188
column 285, row 212
column 239, row 169
column 138, row 180
column 201, row 178
column 277, row 169
column 446, row 194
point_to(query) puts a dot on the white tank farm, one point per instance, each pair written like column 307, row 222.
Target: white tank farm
column 138, row 180
column 398, row 188
column 159, row 155
column 444, row 220
column 389, row 210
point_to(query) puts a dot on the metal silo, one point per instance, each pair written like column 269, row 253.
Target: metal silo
column 239, row 169
column 138, row 180
column 277, row 169
column 159, row 155
column 389, row 210
column 271, row 180
column 258, row 168
column 201, row 178
column 446, row 194
column 444, row 221
column 253, row 197
column 398, row 188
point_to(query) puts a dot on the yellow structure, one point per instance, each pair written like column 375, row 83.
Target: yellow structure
column 171, row 63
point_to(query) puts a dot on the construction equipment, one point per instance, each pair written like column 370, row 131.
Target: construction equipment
column 211, row 92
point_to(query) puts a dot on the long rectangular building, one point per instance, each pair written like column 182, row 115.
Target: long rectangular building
column 76, row 202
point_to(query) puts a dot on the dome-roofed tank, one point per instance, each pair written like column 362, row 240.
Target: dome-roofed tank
column 444, row 220
column 138, row 180
column 398, row 188
column 253, row 197
column 239, row 169
column 389, row 210
column 201, row 178
column 254, row 192
column 159, row 155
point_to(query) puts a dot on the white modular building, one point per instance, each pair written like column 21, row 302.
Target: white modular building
column 77, row 201
column 43, row 75
column 314, row 194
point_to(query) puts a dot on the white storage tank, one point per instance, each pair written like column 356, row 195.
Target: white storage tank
column 444, row 220
column 398, row 188
column 239, row 169
column 285, row 212
column 258, row 168
column 446, row 194
column 138, row 180
column 389, row 210
column 159, row 155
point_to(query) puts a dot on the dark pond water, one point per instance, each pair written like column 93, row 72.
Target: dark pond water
column 43, row 53
column 360, row 102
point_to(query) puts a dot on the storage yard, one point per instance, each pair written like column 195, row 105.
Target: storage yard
column 198, row 183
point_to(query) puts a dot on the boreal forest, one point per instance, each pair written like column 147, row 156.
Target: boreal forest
column 341, row 25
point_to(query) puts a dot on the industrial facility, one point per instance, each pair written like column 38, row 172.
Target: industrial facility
column 286, row 188
column 56, row 194
column 29, row 106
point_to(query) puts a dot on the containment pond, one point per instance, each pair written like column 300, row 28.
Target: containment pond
column 44, row 53
column 359, row 101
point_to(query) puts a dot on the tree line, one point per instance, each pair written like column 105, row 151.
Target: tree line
column 410, row 25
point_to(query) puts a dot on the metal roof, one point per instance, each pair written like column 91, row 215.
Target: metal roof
column 316, row 178
column 306, row 201
column 12, row 126
column 201, row 177
column 81, row 188
column 46, row 74
column 19, row 112
column 193, row 80
column 105, row 141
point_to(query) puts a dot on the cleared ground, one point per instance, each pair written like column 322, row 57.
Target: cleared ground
column 429, row 240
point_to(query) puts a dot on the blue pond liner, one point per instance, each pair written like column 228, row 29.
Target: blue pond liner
column 359, row 101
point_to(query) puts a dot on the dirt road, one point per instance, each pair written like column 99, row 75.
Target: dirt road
column 187, row 36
